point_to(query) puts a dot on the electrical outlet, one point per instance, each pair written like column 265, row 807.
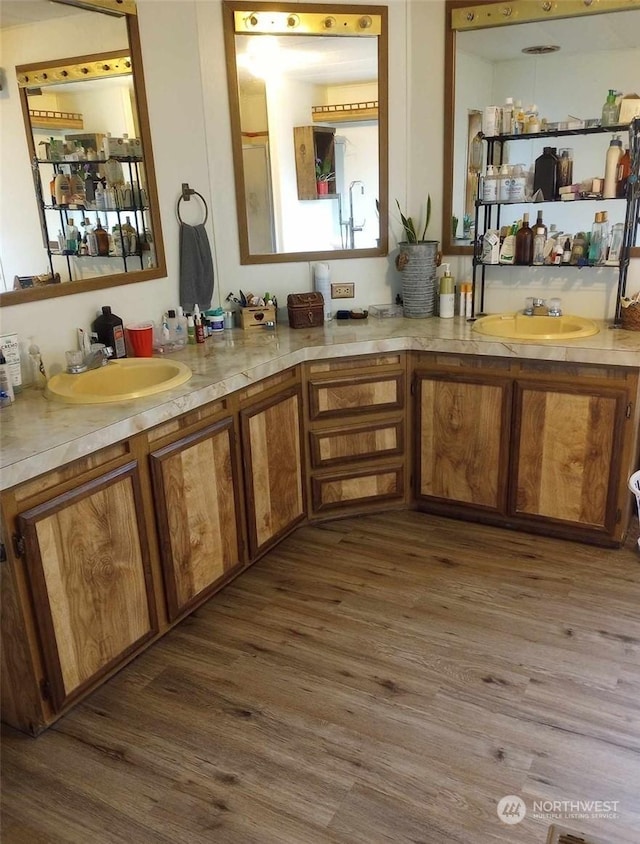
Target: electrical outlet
column 346, row 290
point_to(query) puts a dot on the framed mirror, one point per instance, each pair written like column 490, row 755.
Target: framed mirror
column 84, row 213
column 308, row 105
column 563, row 57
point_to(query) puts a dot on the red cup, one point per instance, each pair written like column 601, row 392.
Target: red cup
column 140, row 339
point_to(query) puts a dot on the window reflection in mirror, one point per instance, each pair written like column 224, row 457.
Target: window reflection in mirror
column 61, row 179
column 309, row 123
column 488, row 65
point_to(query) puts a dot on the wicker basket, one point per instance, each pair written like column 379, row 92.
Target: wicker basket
column 630, row 317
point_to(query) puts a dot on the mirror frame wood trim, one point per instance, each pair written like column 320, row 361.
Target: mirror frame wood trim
column 246, row 258
column 36, row 294
column 448, row 247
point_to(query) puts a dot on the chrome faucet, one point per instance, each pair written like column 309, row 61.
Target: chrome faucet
column 538, row 307
column 98, row 357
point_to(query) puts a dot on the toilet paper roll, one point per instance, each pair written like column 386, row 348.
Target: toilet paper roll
column 322, row 284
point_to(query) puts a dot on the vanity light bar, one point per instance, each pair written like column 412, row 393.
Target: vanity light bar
column 524, row 11
column 306, row 23
column 95, row 68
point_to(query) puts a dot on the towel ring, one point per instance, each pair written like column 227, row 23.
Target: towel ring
column 187, row 193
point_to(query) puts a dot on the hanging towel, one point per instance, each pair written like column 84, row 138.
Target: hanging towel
column 196, row 268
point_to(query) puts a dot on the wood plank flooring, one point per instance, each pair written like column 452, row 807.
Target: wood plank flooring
column 385, row 678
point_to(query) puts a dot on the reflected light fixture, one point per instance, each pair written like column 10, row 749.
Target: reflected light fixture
column 541, row 49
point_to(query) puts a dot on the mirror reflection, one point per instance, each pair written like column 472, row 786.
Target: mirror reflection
column 83, row 212
column 569, row 83
column 307, row 144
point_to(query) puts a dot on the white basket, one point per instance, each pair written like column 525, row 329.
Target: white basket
column 634, row 486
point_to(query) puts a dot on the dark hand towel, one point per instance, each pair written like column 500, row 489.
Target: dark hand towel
column 196, row 268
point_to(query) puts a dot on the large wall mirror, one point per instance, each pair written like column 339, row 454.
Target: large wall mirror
column 308, row 101
column 561, row 56
column 79, row 200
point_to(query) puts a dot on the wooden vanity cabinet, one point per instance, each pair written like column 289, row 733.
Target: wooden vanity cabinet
column 196, row 493
column 462, row 446
column 356, row 434
column 542, row 446
column 271, row 434
column 78, row 590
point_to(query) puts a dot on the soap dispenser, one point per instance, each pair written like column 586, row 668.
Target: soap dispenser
column 447, row 294
column 610, row 110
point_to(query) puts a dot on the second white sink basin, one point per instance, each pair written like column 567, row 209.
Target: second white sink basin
column 119, row 380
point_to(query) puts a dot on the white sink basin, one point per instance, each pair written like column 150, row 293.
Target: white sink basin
column 119, row 380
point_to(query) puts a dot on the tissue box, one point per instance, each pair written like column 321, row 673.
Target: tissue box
column 629, row 108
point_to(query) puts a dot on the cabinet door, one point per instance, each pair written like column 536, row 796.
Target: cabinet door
column 462, row 431
column 195, row 487
column 567, row 442
column 88, row 568
column 272, row 453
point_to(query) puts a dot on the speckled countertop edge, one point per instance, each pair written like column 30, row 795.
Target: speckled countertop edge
column 38, row 435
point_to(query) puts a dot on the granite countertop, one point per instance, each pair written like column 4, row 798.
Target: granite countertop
column 38, row 435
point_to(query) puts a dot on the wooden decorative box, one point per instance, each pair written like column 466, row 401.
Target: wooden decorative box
column 256, row 317
column 306, row 310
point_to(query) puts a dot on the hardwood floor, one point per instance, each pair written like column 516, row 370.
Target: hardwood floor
column 378, row 679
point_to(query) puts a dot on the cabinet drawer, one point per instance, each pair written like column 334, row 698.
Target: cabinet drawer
column 358, row 394
column 341, row 489
column 338, row 445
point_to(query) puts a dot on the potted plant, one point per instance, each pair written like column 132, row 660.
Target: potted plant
column 417, row 261
column 324, row 175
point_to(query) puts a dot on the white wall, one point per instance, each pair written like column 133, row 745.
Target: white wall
column 185, row 77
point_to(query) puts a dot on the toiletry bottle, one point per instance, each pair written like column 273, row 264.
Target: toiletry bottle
column 604, row 238
column 468, row 300
column 490, row 185
column 507, row 116
column 508, row 248
column 566, row 252
column 102, row 239
column 6, row 384
column 614, row 154
column 191, row 331
column 524, row 243
column 595, row 241
column 579, row 249
column 63, row 189
column 504, row 179
column 539, row 240
column 622, row 176
column 517, row 184
column 447, row 294
column 617, row 234
column 546, row 173
column 565, row 168
column 610, row 109
column 181, row 327
column 540, row 224
column 76, row 186
column 72, row 237
column 110, row 331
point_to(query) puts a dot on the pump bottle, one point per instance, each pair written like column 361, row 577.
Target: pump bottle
column 447, row 294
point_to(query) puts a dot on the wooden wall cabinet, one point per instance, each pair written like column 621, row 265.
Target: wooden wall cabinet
column 313, row 142
column 356, row 431
column 538, row 445
column 196, row 493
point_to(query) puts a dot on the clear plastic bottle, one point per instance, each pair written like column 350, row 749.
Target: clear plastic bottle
column 504, row 179
column 539, row 241
column 490, row 185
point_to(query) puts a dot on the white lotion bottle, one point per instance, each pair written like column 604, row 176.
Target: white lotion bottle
column 447, row 294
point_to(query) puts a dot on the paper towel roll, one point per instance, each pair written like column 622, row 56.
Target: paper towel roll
column 322, row 284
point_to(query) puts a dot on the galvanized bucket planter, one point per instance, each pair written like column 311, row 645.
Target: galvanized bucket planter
column 417, row 262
